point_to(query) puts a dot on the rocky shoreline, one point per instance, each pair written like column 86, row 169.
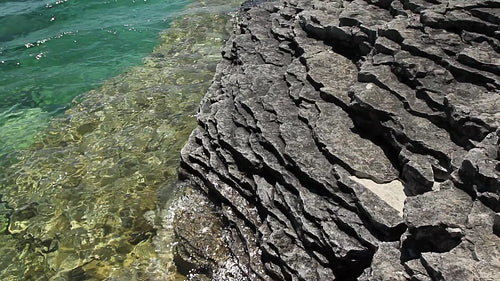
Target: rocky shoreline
column 351, row 140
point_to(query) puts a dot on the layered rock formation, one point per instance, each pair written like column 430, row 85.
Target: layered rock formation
column 356, row 140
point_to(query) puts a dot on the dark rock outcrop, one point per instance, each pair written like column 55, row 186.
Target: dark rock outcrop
column 356, row 140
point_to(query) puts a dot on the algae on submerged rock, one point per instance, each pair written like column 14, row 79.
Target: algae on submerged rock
column 90, row 183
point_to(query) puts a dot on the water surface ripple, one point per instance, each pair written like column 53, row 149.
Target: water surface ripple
column 81, row 203
column 53, row 50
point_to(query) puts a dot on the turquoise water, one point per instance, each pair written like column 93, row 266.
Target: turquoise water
column 51, row 51
column 89, row 198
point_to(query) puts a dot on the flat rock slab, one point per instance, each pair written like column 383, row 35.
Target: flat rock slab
column 392, row 192
column 448, row 207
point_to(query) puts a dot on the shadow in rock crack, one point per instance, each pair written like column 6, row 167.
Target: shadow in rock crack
column 424, row 239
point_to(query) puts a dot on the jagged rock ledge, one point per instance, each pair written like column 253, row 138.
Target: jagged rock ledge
column 355, row 140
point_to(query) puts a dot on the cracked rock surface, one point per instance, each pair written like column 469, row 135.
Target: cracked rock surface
column 356, row 140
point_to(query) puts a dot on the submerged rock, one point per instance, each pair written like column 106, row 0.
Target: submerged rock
column 84, row 196
column 5, row 213
column 355, row 140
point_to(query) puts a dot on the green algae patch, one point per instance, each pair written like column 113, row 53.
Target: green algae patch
column 85, row 195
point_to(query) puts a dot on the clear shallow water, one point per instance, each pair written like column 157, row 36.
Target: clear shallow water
column 51, row 51
column 88, row 199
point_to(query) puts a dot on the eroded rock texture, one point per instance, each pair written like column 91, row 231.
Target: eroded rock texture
column 356, row 140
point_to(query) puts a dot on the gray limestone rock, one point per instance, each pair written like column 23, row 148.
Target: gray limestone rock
column 355, row 140
column 386, row 265
column 480, row 172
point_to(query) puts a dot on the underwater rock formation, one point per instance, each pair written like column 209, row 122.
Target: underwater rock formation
column 80, row 203
column 356, row 140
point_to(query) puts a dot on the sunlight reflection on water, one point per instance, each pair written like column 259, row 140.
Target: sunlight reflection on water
column 82, row 201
